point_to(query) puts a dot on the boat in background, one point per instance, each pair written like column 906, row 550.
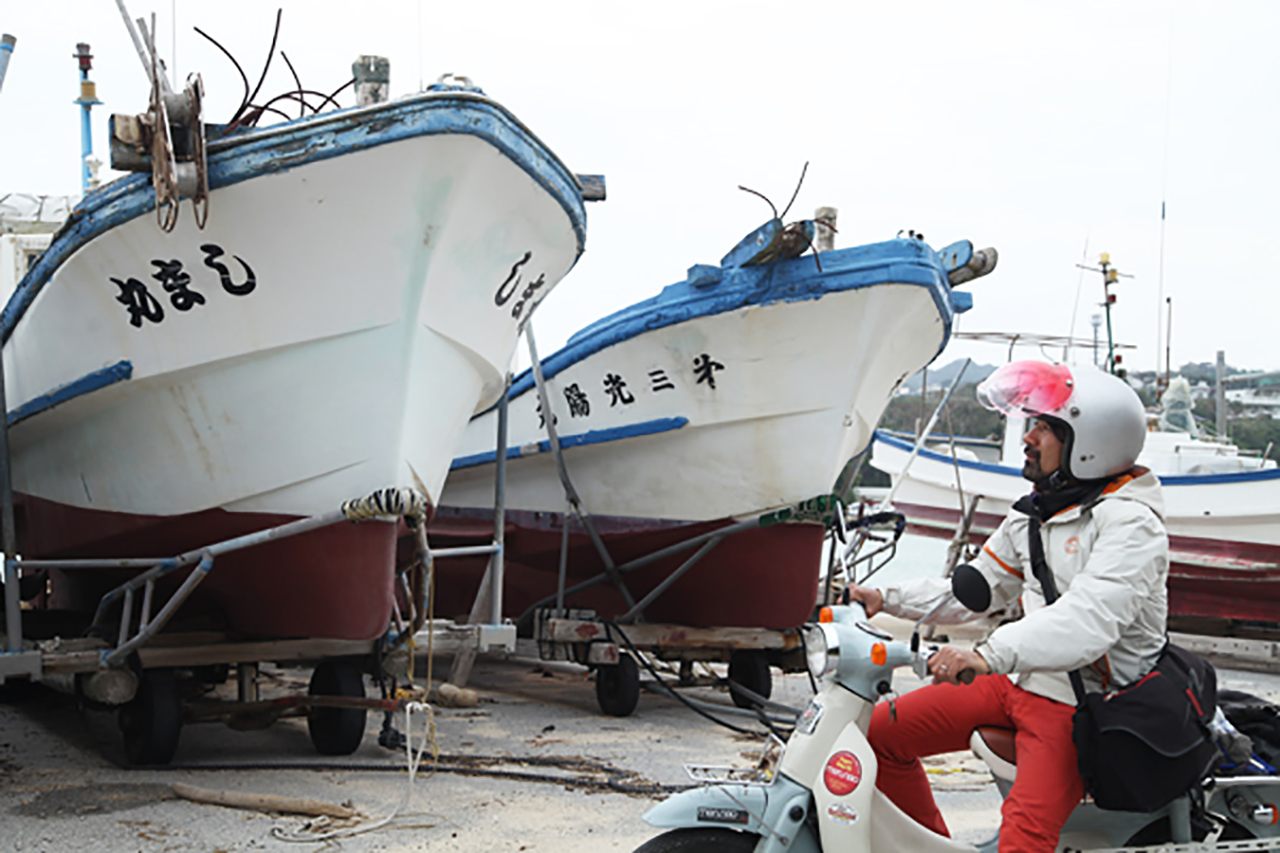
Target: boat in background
column 352, row 299
column 1222, row 509
column 746, row 389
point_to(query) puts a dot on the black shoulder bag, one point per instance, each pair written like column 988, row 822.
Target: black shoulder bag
column 1145, row 744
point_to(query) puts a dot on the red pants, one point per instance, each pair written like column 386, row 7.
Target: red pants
column 940, row 718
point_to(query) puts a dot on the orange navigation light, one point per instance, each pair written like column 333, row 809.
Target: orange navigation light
column 879, row 654
column 826, row 614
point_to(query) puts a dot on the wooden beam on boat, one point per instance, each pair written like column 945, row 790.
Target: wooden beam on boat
column 216, row 653
column 671, row 636
column 1236, row 652
column 593, row 188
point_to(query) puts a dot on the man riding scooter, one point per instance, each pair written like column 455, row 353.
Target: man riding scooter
column 1105, row 542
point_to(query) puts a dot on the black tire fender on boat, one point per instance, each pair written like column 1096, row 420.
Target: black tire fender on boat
column 618, row 687
column 151, row 722
column 336, row 731
column 701, row 841
column 750, row 669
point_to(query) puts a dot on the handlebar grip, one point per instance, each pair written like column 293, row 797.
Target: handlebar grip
column 844, row 596
column 966, row 675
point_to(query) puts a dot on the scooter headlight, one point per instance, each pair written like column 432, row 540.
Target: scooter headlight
column 822, row 648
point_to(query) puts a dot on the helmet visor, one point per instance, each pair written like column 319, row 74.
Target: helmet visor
column 1024, row 389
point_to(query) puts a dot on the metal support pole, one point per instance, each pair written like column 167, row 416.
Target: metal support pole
column 639, row 562
column 6, row 50
column 924, row 435
column 8, row 531
column 564, row 559
column 247, row 681
column 496, row 562
column 688, row 564
column 570, row 492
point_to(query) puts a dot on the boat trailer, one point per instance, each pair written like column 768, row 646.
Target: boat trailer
column 126, row 660
column 616, row 649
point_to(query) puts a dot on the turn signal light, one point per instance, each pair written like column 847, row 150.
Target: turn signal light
column 826, row 614
column 879, row 654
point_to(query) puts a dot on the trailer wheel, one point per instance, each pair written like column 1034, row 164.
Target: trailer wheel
column 618, row 687
column 750, row 670
column 151, row 722
column 336, row 731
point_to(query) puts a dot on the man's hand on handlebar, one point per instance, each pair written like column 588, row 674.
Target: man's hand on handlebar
column 871, row 598
column 952, row 665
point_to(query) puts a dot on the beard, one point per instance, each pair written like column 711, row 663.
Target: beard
column 1031, row 469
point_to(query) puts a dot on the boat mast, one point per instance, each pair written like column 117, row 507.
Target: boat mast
column 1110, row 276
column 87, row 100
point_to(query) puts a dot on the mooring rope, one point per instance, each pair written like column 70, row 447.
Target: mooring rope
column 404, row 502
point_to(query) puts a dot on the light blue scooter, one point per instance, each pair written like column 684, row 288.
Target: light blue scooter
column 818, row 791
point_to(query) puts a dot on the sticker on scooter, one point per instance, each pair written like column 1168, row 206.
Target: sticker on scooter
column 841, row 813
column 843, row 773
column 809, row 719
column 714, row 815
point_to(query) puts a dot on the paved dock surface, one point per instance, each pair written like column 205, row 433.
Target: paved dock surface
column 64, row 786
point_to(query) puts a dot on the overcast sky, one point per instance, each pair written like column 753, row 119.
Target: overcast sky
column 1050, row 131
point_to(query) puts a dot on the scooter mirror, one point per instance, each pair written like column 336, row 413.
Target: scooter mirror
column 970, row 588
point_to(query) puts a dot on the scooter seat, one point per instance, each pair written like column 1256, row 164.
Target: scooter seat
column 995, row 746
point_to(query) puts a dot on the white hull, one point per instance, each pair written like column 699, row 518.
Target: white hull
column 370, row 337
column 801, row 387
column 1241, row 507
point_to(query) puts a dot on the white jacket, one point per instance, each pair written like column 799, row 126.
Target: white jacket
column 1110, row 561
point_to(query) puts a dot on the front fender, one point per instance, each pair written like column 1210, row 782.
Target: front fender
column 775, row 812
column 732, row 806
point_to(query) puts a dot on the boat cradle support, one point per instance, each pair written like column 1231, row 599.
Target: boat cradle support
column 131, row 638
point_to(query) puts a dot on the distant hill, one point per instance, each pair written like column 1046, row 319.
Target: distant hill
column 944, row 376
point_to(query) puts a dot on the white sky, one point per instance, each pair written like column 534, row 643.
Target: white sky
column 1037, row 128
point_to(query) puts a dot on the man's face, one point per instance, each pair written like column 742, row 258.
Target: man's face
column 1044, row 452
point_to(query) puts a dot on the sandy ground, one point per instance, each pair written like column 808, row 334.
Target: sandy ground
column 63, row 785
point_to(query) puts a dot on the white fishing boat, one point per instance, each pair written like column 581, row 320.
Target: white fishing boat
column 747, row 387
column 342, row 293
column 1222, row 510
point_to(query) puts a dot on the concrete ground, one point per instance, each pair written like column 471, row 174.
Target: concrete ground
column 64, row 786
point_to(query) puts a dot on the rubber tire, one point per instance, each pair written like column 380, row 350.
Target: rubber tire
column 151, row 722
column 751, row 670
column 336, row 731
column 701, row 841
column 618, row 687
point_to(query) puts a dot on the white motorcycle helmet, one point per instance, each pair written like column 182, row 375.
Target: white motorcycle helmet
column 1106, row 424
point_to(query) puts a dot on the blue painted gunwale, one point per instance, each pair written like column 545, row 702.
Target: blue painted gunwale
column 1165, row 479
column 121, row 371
column 899, row 261
column 594, row 436
column 282, row 147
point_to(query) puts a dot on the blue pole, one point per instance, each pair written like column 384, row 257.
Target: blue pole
column 88, row 98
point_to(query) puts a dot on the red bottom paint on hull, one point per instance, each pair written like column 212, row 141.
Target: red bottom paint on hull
column 761, row 578
column 1207, row 577
column 335, row 582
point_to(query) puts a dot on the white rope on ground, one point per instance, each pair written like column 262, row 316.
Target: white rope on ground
column 302, row 833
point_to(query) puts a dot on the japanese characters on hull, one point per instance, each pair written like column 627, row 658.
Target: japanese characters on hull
column 617, row 390
column 509, row 287
column 141, row 304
